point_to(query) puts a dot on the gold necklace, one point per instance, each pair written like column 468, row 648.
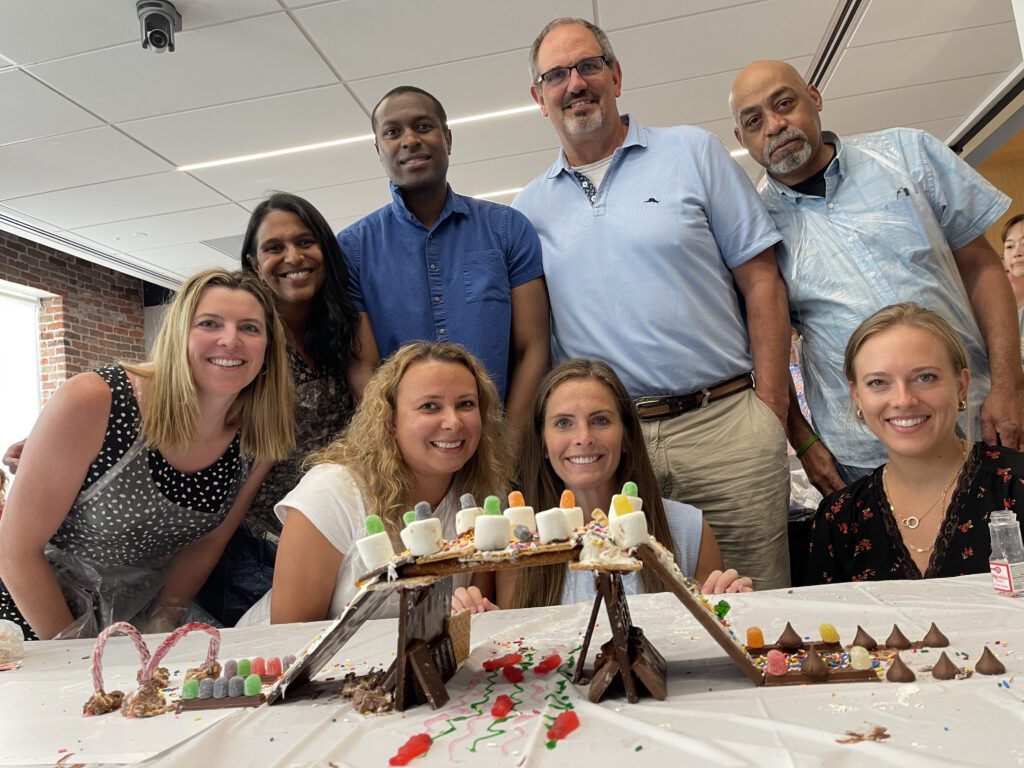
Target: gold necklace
column 912, row 521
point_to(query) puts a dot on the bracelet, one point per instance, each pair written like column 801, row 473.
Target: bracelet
column 806, row 446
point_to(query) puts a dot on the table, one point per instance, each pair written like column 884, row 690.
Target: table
column 713, row 714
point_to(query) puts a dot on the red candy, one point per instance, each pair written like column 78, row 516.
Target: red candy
column 564, row 724
column 513, row 674
column 258, row 666
column 554, row 661
column 505, row 661
column 274, row 666
column 502, row 706
column 414, row 747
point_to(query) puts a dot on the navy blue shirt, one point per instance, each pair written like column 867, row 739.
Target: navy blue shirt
column 452, row 282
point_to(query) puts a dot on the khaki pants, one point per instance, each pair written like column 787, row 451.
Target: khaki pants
column 729, row 460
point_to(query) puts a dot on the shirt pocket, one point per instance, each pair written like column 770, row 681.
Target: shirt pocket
column 485, row 277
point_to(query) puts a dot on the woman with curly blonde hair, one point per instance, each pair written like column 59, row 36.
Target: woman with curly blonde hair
column 428, row 428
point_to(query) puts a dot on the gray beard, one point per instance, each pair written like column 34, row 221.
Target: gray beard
column 576, row 126
column 791, row 159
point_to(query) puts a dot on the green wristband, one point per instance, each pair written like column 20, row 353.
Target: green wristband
column 806, row 446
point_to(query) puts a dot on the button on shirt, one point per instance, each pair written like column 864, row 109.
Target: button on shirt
column 897, row 203
column 641, row 278
column 452, row 282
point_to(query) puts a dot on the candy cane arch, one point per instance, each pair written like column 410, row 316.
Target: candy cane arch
column 171, row 640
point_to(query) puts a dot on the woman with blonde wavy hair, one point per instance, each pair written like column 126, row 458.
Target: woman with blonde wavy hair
column 428, row 428
column 135, row 476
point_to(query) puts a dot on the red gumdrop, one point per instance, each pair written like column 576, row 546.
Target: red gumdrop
column 513, row 674
column 274, row 666
column 564, row 724
column 554, row 661
column 258, row 666
column 502, row 706
column 505, row 661
column 414, row 747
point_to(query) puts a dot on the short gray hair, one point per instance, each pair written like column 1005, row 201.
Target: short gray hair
column 602, row 40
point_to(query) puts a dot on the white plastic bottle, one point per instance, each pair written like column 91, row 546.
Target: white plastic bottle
column 1007, row 559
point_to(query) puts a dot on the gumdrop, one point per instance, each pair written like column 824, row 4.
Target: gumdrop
column 722, row 609
column 755, row 637
column 414, row 747
column 513, row 674
column 258, row 666
column 554, row 661
column 274, row 666
column 501, row 707
column 777, row 663
column 252, row 685
column 206, row 688
column 828, row 633
column 860, row 658
column 230, row 668
column 220, row 688
column 244, row 667
column 564, row 724
column 236, row 686
column 504, row 661
column 287, row 661
column 190, row 689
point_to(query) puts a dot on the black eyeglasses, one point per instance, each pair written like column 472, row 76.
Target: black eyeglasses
column 587, row 68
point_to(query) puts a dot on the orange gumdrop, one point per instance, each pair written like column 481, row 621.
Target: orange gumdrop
column 515, row 499
column 568, row 500
column 755, row 637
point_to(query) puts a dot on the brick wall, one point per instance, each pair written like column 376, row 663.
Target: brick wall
column 94, row 318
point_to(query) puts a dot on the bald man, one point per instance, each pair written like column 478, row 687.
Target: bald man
column 866, row 222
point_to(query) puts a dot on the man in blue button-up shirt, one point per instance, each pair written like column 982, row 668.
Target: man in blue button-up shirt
column 437, row 265
column 870, row 221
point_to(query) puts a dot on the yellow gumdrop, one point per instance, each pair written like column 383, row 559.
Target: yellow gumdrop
column 828, row 633
column 599, row 517
column 621, row 505
column 568, row 500
column 515, row 499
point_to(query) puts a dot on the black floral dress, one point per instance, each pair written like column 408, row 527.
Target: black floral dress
column 856, row 537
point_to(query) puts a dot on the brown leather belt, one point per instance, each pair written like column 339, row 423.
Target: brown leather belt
column 673, row 405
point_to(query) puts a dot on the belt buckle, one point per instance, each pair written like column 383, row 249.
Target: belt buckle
column 707, row 398
column 657, row 405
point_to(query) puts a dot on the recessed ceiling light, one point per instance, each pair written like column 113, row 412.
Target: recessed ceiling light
column 499, row 193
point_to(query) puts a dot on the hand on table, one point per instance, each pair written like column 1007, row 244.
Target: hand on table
column 471, row 599
column 726, row 582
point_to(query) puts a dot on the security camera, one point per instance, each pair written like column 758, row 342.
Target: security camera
column 159, row 21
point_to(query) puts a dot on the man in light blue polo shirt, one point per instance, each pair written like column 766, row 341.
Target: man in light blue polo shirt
column 441, row 266
column 870, row 221
column 653, row 241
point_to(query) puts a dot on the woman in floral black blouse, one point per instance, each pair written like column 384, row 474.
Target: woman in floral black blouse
column 925, row 513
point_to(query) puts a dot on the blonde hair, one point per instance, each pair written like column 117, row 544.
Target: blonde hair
column 368, row 445
column 543, row 487
column 263, row 410
column 910, row 315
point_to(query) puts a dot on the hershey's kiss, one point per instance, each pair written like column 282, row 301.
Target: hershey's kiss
column 899, row 672
column 897, row 639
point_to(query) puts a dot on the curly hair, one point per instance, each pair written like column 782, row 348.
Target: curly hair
column 368, row 445
column 540, row 483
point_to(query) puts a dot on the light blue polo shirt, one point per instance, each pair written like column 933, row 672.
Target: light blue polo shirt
column 641, row 279
column 897, row 204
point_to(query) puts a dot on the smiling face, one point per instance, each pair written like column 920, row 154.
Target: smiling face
column 577, row 106
column 412, row 142
column 289, row 259
column 583, row 437
column 437, row 421
column 227, row 341
column 778, row 122
column 1013, row 250
column 908, row 391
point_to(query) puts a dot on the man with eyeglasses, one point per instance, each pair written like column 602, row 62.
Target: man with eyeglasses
column 869, row 221
column 652, row 240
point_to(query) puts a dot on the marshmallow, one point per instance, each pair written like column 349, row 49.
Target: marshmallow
column 629, row 530
column 375, row 548
column 465, row 518
column 553, row 525
column 520, row 514
column 493, row 530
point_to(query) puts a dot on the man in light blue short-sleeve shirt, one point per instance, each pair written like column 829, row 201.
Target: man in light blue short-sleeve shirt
column 658, row 257
column 870, row 221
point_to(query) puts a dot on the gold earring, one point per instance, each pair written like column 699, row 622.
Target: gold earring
column 962, row 405
column 860, row 415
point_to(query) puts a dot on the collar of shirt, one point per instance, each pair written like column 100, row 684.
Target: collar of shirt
column 835, row 171
column 635, row 137
column 453, row 204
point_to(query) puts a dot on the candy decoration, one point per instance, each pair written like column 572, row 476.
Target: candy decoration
column 258, row 666
column 523, row 534
column 244, row 667
column 190, row 690
column 755, row 637
column 789, row 639
column 777, row 663
column 828, row 633
column 414, row 747
column 102, row 702
column 504, row 661
column 935, row 638
column 374, row 525
column 629, row 489
column 252, row 685
column 287, row 661
column 988, row 664
column 899, row 672
column 944, row 668
column 206, row 688
column 492, row 505
column 897, row 639
column 236, row 686
column 621, row 505
column 230, row 668
column 149, row 700
column 467, row 501
column 812, row 665
column 501, row 707
column 568, row 500
column 515, row 499
column 554, row 661
column 409, row 517
column 722, row 608
column 513, row 674
column 220, row 688
column 274, row 666
column 564, row 724
column 860, row 658
column 864, row 640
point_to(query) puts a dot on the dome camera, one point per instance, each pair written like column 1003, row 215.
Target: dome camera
column 159, row 21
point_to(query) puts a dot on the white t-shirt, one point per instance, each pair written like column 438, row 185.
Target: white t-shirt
column 330, row 498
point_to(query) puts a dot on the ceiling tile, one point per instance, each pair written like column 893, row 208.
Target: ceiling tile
column 941, row 129
column 417, row 34
column 117, row 200
column 185, row 260
column 929, row 59
column 248, row 127
column 913, row 18
column 39, row 112
column 151, row 232
column 220, row 64
column 615, row 14
column 72, row 159
column 345, row 200
column 495, row 174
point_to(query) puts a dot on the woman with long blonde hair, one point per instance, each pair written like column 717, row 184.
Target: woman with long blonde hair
column 135, row 476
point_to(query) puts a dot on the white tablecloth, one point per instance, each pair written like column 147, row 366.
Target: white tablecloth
column 713, row 715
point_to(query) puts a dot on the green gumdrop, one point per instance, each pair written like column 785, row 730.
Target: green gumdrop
column 190, row 689
column 492, row 505
column 722, row 608
column 629, row 489
column 374, row 525
column 244, row 667
column 253, row 685
column 409, row 517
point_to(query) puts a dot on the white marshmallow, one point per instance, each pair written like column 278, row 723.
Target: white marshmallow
column 629, row 530
column 552, row 525
column 375, row 549
column 465, row 519
column 574, row 517
column 634, row 501
column 522, row 516
column 424, row 537
column 491, row 532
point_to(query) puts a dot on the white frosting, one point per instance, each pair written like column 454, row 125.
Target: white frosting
column 629, row 530
column 465, row 519
column 598, row 548
column 552, row 525
column 375, row 549
column 522, row 516
column 491, row 532
column 424, row 537
column 574, row 517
